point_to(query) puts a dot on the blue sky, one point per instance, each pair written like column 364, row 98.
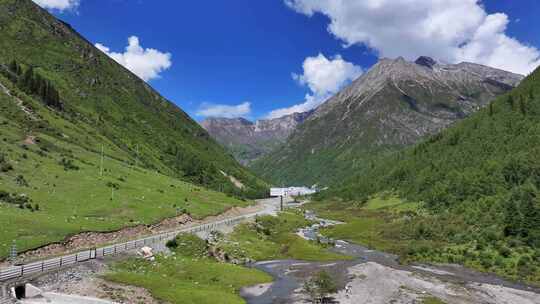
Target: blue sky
column 249, row 58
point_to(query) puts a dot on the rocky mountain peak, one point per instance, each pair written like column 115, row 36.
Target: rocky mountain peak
column 394, row 104
column 249, row 140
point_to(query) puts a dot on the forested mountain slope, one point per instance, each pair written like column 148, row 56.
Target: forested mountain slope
column 105, row 101
column 476, row 184
column 395, row 104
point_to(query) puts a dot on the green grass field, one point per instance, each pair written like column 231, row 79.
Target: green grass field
column 374, row 224
column 76, row 197
column 390, row 224
column 192, row 278
column 274, row 238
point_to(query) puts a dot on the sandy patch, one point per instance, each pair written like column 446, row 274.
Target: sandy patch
column 256, row 290
column 377, row 284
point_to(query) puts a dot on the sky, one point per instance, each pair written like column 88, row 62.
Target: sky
column 268, row 58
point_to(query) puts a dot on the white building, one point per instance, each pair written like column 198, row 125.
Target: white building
column 291, row 191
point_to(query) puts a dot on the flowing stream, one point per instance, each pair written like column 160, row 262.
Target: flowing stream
column 289, row 275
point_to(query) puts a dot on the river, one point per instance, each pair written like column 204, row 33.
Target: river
column 377, row 277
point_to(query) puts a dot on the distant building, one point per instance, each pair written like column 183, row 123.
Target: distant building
column 291, row 191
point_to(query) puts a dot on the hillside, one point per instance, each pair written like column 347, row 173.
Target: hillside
column 476, row 185
column 105, row 100
column 86, row 145
column 247, row 140
column 395, row 104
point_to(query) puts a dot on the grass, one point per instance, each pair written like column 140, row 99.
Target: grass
column 76, row 200
column 188, row 279
column 375, row 224
column 432, row 300
column 274, row 238
column 105, row 103
column 149, row 147
column 404, row 228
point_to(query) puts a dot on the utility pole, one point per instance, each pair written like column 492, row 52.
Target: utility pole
column 137, row 157
column 13, row 251
column 101, row 162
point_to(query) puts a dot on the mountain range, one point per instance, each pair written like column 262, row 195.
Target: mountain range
column 394, row 104
column 247, row 140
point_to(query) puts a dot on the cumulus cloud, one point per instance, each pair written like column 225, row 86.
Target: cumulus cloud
column 145, row 63
column 60, row 5
column 221, row 110
column 324, row 77
column 450, row 30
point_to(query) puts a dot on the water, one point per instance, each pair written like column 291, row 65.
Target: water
column 290, row 275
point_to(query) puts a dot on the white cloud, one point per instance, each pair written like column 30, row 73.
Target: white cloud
column 60, row 5
column 324, row 77
column 450, row 30
column 145, row 63
column 227, row 111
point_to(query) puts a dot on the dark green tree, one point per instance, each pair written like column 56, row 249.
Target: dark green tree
column 511, row 101
column 14, row 67
column 522, row 106
column 26, row 82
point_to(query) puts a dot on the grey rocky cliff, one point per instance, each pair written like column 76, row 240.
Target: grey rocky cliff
column 248, row 140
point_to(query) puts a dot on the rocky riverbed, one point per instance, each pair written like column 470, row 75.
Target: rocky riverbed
column 377, row 277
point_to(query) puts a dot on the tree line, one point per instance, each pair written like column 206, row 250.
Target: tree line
column 32, row 83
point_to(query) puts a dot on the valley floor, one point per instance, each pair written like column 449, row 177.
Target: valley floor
column 373, row 276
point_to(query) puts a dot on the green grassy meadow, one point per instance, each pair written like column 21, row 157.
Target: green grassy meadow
column 64, row 182
column 188, row 276
column 272, row 238
column 385, row 222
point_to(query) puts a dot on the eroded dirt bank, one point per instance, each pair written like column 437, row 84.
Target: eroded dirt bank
column 95, row 239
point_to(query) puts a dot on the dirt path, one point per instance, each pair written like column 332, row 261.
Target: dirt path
column 19, row 103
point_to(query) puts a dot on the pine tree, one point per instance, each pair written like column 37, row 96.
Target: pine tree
column 26, row 81
column 522, row 105
column 13, row 66
column 511, row 101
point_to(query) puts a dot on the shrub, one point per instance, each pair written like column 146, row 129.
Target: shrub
column 21, row 181
column 171, row 244
column 5, row 166
column 68, row 164
column 189, row 245
column 116, row 186
column 319, row 286
column 505, row 251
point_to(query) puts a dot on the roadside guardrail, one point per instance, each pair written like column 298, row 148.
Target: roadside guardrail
column 22, row 271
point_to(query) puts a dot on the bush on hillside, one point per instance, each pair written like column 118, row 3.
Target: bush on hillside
column 189, row 245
